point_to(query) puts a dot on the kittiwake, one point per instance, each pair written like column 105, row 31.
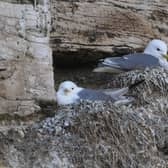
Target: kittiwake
column 154, row 55
column 69, row 93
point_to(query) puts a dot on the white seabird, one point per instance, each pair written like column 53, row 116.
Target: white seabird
column 69, row 93
column 155, row 54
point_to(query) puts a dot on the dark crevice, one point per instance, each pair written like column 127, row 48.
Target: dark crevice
column 78, row 59
column 73, row 59
column 77, row 66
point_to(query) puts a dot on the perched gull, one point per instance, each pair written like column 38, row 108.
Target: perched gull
column 69, row 93
column 155, row 54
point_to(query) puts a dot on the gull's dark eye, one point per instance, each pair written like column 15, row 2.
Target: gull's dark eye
column 158, row 49
column 72, row 88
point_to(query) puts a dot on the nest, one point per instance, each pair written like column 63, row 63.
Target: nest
column 145, row 85
column 101, row 134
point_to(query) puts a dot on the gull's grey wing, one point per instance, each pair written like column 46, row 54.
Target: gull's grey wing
column 93, row 95
column 116, row 92
column 119, row 95
column 128, row 62
column 90, row 94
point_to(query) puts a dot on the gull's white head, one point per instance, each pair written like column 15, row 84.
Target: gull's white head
column 157, row 48
column 67, row 93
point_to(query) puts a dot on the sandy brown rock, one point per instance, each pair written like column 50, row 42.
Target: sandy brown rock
column 90, row 134
column 106, row 26
column 26, row 72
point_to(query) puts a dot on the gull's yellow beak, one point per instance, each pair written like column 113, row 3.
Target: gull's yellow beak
column 166, row 56
column 66, row 91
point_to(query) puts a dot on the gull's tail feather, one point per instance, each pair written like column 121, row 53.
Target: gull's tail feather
column 124, row 100
column 116, row 93
column 119, row 94
column 109, row 65
column 108, row 69
column 112, row 61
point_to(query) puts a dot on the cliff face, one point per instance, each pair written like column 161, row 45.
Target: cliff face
column 90, row 134
column 26, row 72
column 91, row 27
column 79, row 29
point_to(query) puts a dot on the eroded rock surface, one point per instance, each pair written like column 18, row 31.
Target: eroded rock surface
column 91, row 134
column 26, row 72
column 91, row 28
